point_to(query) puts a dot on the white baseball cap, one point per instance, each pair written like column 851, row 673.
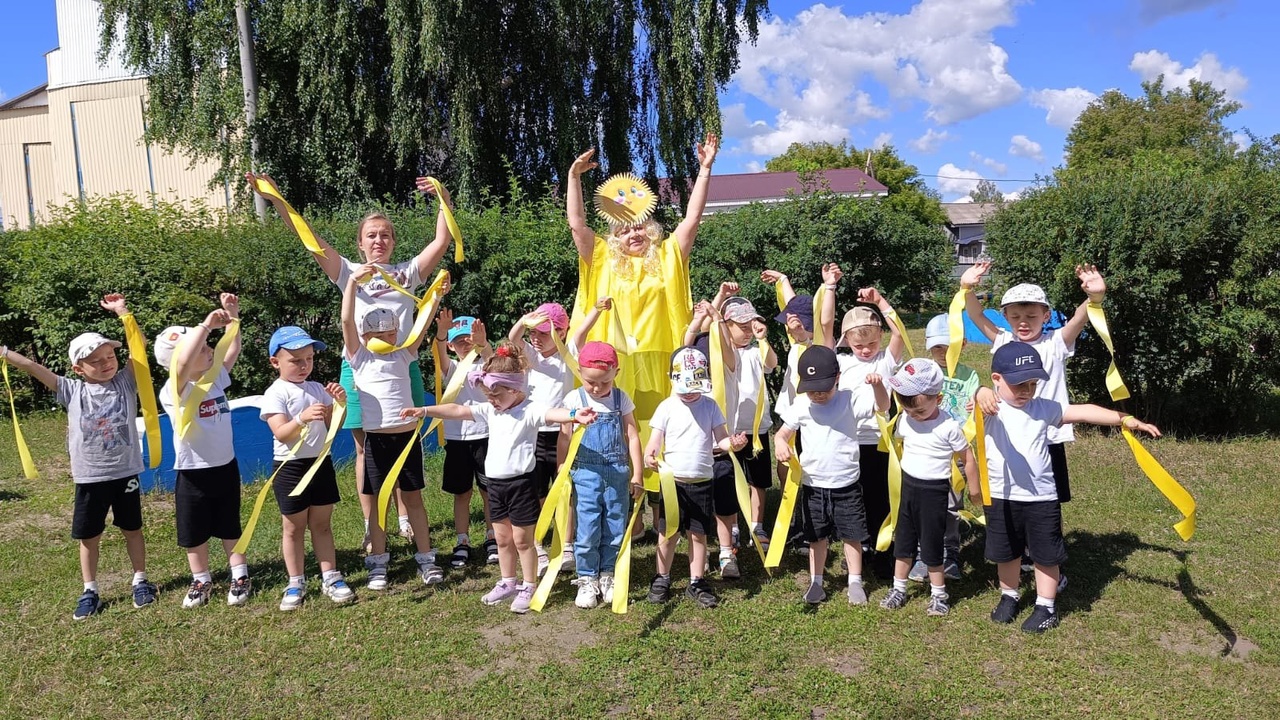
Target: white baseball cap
column 690, row 371
column 379, row 319
column 1025, row 293
column 937, row 332
column 919, row 376
column 167, row 341
column 85, row 343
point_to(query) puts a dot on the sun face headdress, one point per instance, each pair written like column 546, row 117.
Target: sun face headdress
column 624, row 200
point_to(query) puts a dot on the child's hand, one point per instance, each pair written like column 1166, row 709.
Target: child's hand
column 651, row 461
column 605, row 303
column 973, row 276
column 314, row 412
column 975, row 497
column 771, row 277
column 707, row 151
column 759, row 330
column 1091, row 282
column 444, row 321
column 737, row 442
column 479, row 338
column 114, row 302
column 874, row 379
column 701, row 311
column 1132, row 423
column 413, row 412
column 218, row 319
column 728, row 288
column 583, row 163
column 968, row 406
column 231, row 304
column 584, row 416
column 336, row 392
column 987, row 401
column 870, row 295
column 447, row 285
column 783, row 453
column 831, row 274
column 637, row 488
column 534, row 319
column 362, row 273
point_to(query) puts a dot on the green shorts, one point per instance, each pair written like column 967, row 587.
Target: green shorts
column 347, row 380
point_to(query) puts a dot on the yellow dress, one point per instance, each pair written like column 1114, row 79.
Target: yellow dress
column 655, row 310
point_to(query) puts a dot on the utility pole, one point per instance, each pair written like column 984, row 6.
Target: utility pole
column 249, row 76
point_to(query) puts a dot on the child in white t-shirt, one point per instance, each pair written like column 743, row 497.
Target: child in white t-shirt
column 292, row 406
column 689, row 424
column 509, row 465
column 384, row 388
column 207, row 493
column 831, row 498
column 931, row 439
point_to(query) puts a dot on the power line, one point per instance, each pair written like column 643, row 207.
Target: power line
column 977, row 179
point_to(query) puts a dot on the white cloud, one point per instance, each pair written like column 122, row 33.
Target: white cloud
column 1152, row 11
column 1024, row 147
column 754, row 166
column 788, row 130
column 1241, row 140
column 995, row 166
column 1063, row 106
column 881, row 140
column 957, row 181
column 812, row 69
column 1153, row 63
column 930, row 141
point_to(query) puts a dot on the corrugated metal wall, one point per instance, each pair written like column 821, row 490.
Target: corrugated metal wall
column 40, row 188
column 75, row 61
column 18, row 130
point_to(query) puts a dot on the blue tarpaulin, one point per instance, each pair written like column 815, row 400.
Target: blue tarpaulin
column 974, row 335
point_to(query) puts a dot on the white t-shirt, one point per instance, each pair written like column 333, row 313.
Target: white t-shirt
column 383, row 384
column 853, row 376
column 1053, row 352
column 377, row 293
column 787, row 393
column 469, row 396
column 290, row 399
column 742, row 389
column 513, row 437
column 830, row 455
column 928, row 445
column 549, row 378
column 208, row 442
column 1018, row 451
column 573, row 401
column 689, row 434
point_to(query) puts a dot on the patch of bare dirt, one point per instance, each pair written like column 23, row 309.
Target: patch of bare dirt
column 23, row 526
column 533, row 640
column 848, row 665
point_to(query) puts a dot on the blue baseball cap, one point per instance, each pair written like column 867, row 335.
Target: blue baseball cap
column 1017, row 363
column 802, row 307
column 291, row 337
column 461, row 326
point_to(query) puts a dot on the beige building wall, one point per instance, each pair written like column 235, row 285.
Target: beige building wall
column 26, row 166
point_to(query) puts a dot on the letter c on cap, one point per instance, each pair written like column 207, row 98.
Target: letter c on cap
column 810, row 371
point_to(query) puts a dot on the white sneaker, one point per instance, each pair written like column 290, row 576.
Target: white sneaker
column 339, row 592
column 606, row 588
column 588, row 593
column 198, row 594
column 543, row 562
column 377, row 566
column 292, row 599
column 239, row 592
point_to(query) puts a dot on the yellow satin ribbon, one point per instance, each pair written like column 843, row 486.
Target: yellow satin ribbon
column 452, row 390
column 716, row 348
column 892, row 317
column 818, row 331
column 427, row 306
column 622, row 570
column 335, row 423
column 555, row 513
column 439, row 392
column 458, row 254
column 980, row 450
column 1115, row 383
column 670, row 503
column 559, row 488
column 743, row 491
column 389, row 484
column 1164, row 482
column 24, row 452
column 786, row 509
column 960, row 486
column 299, row 225
column 885, row 536
column 955, row 331
column 187, row 409
column 782, row 307
column 569, row 360
column 762, row 397
column 146, row 390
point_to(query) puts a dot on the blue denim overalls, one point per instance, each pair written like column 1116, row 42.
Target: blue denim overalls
column 601, row 474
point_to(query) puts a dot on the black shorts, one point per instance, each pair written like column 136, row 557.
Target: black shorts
column 322, row 490
column 123, row 497
column 515, row 499
column 544, row 464
column 1037, row 526
column 757, row 470
column 697, row 508
column 922, row 519
column 381, row 450
column 1061, row 478
column 207, row 504
column 834, row 513
column 464, row 465
column 873, row 476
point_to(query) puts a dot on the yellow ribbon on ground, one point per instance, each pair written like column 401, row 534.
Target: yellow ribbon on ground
column 335, row 424
column 896, row 322
column 885, row 537
column 24, row 452
column 454, row 230
column 451, row 391
column 955, row 331
column 818, row 297
column 146, row 390
column 1115, row 383
column 786, row 509
column 622, row 570
column 188, row 408
column 762, row 397
column 1164, row 482
column 389, row 483
column 980, row 450
column 743, row 491
column 715, row 346
column 670, row 503
column 299, row 225
column 427, row 306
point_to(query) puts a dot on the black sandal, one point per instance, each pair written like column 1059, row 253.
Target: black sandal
column 461, row 555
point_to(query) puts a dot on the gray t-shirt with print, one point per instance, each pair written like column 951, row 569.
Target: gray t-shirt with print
column 102, row 435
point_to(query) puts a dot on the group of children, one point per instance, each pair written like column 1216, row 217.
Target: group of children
column 511, row 418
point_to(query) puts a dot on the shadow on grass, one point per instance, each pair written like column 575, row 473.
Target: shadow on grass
column 11, row 496
column 1186, row 585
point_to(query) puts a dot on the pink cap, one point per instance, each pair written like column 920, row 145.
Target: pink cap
column 555, row 312
column 599, row 355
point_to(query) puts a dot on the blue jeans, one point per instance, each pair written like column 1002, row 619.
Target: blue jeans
column 602, row 499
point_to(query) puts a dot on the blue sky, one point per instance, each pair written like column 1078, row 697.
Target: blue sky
column 962, row 88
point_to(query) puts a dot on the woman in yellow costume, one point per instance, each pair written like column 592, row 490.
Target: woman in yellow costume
column 645, row 272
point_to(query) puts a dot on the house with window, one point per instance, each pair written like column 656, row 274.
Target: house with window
column 967, row 228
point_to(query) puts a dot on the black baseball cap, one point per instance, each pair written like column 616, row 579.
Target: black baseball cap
column 802, row 307
column 1017, row 363
column 818, row 369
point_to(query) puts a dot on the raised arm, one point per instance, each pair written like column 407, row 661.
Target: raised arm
column 427, row 260
column 897, row 343
column 1098, row 415
column 231, row 304
column 588, row 322
column 447, row 411
column 762, row 334
column 687, row 230
column 330, row 262
column 41, row 373
column 970, row 280
column 350, row 333
column 584, row 238
column 728, row 289
column 701, row 316
column 1093, row 285
column 773, row 277
column 183, row 369
column 831, row 275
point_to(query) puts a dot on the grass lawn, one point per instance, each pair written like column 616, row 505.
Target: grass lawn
column 1152, row 627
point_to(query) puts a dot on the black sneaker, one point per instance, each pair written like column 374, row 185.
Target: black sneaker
column 1041, row 619
column 815, row 594
column 660, row 589
column 1006, row 611
column 461, row 555
column 700, row 592
column 144, row 593
column 87, row 605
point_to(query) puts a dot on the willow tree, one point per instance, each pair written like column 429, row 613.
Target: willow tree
column 358, row 96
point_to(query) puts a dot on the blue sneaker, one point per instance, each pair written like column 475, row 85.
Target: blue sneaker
column 292, row 599
column 144, row 593
column 87, row 605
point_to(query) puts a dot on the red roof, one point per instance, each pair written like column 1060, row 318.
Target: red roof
column 743, row 188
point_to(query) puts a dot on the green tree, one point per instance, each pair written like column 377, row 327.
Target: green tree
column 359, row 96
column 986, row 192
